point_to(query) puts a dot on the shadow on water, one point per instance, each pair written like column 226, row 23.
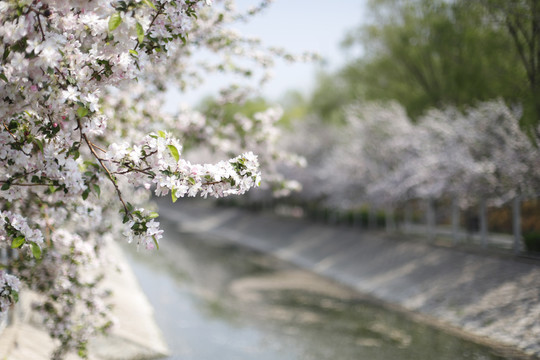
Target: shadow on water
column 214, row 300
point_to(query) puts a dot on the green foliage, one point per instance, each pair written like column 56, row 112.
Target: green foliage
column 174, row 152
column 432, row 53
column 247, row 108
column 295, row 107
column 36, row 250
column 82, row 111
column 140, row 32
column 18, row 242
column 331, row 95
column 532, row 241
column 114, row 21
column 520, row 19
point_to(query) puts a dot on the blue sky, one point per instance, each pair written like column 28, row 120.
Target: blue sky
column 299, row 25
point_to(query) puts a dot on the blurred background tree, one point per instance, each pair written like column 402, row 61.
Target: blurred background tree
column 521, row 20
column 426, row 54
column 466, row 72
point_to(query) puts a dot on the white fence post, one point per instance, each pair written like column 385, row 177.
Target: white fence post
column 516, row 223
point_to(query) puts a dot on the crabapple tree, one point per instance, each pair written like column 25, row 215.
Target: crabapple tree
column 84, row 143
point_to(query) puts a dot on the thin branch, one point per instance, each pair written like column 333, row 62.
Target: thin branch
column 39, row 23
column 25, row 184
column 97, row 147
column 111, row 177
column 521, row 50
column 61, row 74
column 159, row 12
column 131, row 169
column 10, row 133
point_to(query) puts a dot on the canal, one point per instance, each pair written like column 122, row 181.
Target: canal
column 218, row 301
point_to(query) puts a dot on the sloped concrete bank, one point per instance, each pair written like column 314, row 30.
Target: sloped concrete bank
column 490, row 299
column 136, row 335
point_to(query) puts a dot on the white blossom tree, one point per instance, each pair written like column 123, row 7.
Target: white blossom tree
column 381, row 158
column 82, row 136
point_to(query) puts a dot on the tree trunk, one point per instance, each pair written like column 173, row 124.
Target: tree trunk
column 407, row 217
column 430, row 217
column 372, row 220
column 455, row 221
column 483, row 223
column 390, row 220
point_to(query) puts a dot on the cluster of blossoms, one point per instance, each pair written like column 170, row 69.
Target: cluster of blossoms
column 81, row 134
column 9, row 292
column 207, row 136
column 384, row 159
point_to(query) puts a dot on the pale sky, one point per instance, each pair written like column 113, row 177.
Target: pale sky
column 298, row 25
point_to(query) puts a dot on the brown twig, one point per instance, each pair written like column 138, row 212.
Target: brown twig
column 7, row 129
column 38, row 15
column 97, row 147
column 110, row 176
column 24, row 184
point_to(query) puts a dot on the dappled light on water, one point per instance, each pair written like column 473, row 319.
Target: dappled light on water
column 216, row 300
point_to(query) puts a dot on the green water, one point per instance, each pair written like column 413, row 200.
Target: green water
column 217, row 301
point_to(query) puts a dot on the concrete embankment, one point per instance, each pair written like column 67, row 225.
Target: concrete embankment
column 134, row 337
column 491, row 299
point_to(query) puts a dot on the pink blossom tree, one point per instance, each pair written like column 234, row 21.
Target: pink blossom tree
column 82, row 136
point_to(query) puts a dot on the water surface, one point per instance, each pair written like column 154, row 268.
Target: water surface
column 218, row 301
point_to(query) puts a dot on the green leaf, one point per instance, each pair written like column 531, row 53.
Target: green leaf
column 15, row 295
column 153, row 215
column 39, row 143
column 85, row 194
column 149, row 3
column 173, row 195
column 36, row 251
column 174, row 152
column 140, row 33
column 155, row 242
column 133, row 52
column 6, row 186
column 90, row 163
column 3, row 77
column 115, row 21
column 161, row 134
column 82, row 111
column 97, row 189
column 17, row 242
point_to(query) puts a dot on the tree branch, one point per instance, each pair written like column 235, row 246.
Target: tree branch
column 110, row 176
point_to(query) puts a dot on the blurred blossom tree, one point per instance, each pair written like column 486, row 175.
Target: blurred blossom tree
column 82, row 135
column 439, row 65
column 384, row 159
